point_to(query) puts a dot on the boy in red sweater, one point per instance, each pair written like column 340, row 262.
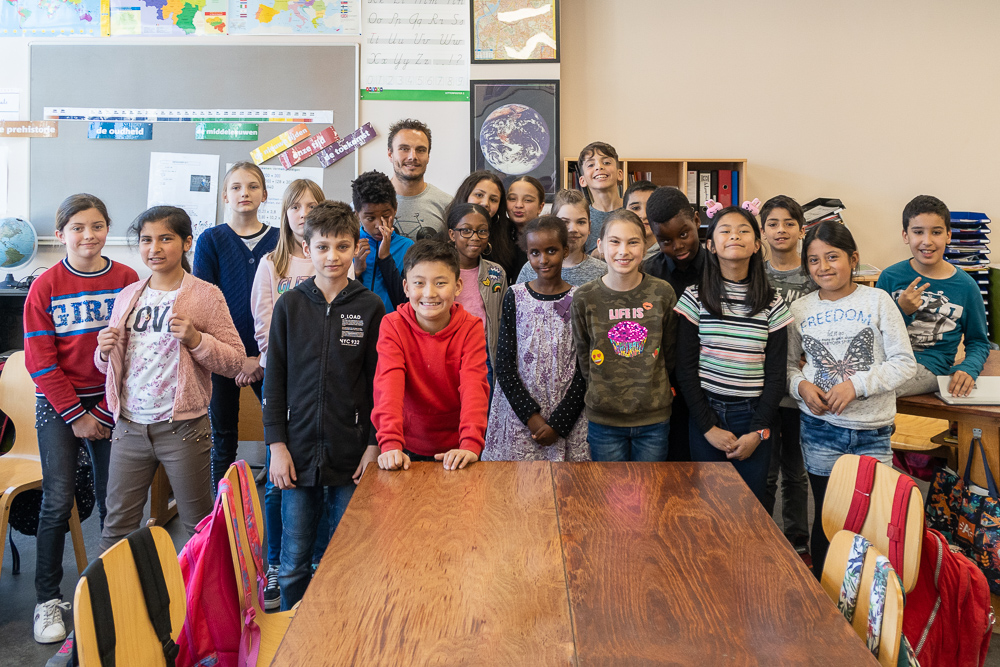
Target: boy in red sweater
column 431, row 393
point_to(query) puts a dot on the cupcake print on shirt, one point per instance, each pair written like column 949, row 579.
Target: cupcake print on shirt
column 628, row 338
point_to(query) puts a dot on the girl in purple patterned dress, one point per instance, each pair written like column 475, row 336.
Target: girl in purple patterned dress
column 538, row 401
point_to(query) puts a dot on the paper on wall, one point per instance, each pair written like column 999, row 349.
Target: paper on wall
column 3, row 180
column 10, row 103
column 187, row 180
column 278, row 179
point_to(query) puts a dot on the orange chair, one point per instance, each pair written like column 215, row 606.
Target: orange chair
column 21, row 467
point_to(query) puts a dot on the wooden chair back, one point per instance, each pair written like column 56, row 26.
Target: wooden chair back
column 892, row 619
column 17, row 401
column 136, row 642
column 837, row 503
column 251, row 416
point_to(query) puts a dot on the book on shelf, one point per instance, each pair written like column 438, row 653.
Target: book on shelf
column 725, row 187
column 704, row 187
column 692, row 186
column 735, row 179
column 968, row 247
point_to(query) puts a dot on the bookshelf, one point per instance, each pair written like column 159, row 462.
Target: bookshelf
column 663, row 171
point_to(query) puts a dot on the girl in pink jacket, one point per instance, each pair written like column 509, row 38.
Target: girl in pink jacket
column 166, row 336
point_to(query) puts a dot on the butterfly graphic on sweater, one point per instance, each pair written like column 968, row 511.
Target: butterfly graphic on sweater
column 831, row 371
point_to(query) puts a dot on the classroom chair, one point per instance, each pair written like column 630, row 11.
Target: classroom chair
column 135, row 642
column 21, row 467
column 837, row 502
column 923, row 435
column 892, row 617
column 272, row 626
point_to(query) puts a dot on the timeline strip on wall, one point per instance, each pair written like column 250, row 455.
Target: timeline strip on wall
column 188, row 115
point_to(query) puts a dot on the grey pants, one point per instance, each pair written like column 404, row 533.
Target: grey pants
column 924, row 382
column 183, row 447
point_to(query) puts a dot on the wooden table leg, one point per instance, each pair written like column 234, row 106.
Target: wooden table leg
column 76, row 532
column 162, row 507
column 991, row 443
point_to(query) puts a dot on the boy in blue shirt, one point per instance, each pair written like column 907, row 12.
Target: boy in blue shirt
column 940, row 303
column 378, row 264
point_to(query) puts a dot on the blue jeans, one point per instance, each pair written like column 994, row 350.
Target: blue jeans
column 272, row 522
column 628, row 443
column 823, row 443
column 300, row 513
column 735, row 417
column 58, row 448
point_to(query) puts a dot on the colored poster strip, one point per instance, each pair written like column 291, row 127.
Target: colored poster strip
column 138, row 131
column 285, row 140
column 375, row 93
column 317, row 142
column 187, row 115
column 35, row 129
column 226, row 131
column 347, row 145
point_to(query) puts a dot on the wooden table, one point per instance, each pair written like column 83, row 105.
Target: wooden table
column 563, row 564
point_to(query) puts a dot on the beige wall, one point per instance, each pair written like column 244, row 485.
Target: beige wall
column 872, row 102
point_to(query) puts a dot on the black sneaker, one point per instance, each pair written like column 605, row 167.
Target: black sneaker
column 272, row 594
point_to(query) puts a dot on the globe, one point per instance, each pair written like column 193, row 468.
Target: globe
column 514, row 139
column 18, row 242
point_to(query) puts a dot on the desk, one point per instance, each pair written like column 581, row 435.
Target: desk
column 563, row 564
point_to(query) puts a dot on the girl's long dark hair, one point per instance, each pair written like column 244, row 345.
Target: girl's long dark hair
column 175, row 218
column 833, row 234
column 501, row 247
column 712, row 288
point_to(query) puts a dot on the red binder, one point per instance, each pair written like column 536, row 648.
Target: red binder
column 725, row 187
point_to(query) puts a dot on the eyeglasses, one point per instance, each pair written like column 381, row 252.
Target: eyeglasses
column 467, row 233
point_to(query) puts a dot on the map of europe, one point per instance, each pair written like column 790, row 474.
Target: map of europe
column 278, row 17
column 50, row 17
column 169, row 17
column 514, row 29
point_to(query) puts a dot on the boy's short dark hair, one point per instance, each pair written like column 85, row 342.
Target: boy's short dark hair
column 332, row 218
column 409, row 124
column 552, row 223
column 925, row 204
column 592, row 149
column 428, row 250
column 373, row 187
column 666, row 203
column 638, row 186
column 785, row 202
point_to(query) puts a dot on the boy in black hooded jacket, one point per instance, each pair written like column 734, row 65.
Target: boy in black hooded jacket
column 318, row 390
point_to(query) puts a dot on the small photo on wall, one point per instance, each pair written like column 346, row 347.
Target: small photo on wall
column 515, row 130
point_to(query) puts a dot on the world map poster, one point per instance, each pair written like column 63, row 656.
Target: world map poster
column 298, row 17
column 515, row 30
column 169, row 18
column 50, row 18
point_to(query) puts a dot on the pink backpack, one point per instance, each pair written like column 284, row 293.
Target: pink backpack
column 212, row 628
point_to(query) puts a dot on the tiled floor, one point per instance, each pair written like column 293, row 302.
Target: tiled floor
column 17, row 593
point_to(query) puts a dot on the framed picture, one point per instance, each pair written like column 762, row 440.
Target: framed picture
column 525, row 31
column 515, row 130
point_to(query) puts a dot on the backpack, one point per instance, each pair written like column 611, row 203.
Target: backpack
column 213, row 629
column 948, row 619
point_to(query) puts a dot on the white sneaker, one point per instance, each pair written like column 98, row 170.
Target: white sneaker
column 49, row 627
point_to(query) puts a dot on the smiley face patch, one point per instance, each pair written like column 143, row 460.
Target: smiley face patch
column 597, row 357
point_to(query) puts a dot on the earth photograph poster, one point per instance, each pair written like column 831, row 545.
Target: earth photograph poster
column 515, row 130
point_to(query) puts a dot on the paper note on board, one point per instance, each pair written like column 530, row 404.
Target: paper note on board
column 278, row 179
column 3, row 180
column 187, row 180
column 10, row 103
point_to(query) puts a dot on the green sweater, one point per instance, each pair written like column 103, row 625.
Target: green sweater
column 625, row 348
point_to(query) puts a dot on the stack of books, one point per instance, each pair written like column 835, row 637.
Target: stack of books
column 822, row 210
column 968, row 251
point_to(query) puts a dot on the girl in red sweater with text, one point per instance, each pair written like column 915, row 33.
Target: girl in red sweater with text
column 65, row 308
column 431, row 393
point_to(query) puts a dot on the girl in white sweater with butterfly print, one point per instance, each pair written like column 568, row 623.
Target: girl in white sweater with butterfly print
column 857, row 352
